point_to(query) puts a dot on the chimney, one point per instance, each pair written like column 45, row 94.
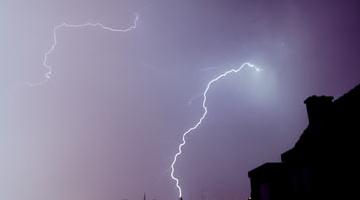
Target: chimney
column 318, row 108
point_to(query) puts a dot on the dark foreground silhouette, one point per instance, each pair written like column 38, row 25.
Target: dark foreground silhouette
column 323, row 164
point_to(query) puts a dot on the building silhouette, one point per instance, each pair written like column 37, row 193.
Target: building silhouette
column 323, row 163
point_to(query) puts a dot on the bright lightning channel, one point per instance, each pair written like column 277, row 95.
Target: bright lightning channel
column 205, row 111
column 48, row 67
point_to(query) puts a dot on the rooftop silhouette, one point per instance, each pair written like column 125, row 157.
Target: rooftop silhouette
column 323, row 162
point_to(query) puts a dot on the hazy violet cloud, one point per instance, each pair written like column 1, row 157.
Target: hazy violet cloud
column 107, row 123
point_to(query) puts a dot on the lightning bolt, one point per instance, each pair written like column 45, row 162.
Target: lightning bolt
column 49, row 72
column 48, row 67
column 205, row 111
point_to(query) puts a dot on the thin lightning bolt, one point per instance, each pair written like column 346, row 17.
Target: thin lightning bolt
column 205, row 111
column 49, row 72
column 66, row 25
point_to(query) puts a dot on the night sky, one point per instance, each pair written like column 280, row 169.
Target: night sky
column 107, row 124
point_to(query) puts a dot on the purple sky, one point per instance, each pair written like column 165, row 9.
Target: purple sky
column 107, row 124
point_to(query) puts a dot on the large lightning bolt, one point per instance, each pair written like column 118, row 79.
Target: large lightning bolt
column 48, row 67
column 49, row 72
column 205, row 111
